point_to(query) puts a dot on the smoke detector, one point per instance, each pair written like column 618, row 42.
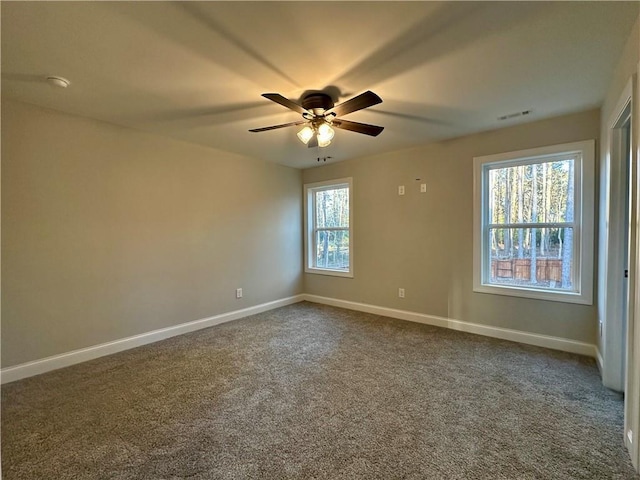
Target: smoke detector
column 56, row 81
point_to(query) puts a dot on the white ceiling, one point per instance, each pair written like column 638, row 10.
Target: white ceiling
column 195, row 70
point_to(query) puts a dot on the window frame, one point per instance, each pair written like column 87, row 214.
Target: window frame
column 310, row 226
column 583, row 226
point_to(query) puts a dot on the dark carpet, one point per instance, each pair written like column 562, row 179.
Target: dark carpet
column 314, row 392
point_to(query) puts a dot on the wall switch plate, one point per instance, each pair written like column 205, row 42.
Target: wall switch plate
column 423, row 188
column 401, row 190
column 401, row 292
column 238, row 293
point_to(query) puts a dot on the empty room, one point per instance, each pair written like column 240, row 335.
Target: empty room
column 320, row 240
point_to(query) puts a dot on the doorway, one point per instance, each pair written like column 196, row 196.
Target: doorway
column 624, row 138
column 615, row 254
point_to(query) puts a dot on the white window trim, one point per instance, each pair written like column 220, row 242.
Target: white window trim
column 583, row 217
column 309, row 249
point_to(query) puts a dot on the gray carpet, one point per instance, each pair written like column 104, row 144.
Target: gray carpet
column 310, row 391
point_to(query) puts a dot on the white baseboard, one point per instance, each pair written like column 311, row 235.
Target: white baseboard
column 36, row 367
column 555, row 343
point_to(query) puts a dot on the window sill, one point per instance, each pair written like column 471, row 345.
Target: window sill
column 329, row 272
column 564, row 297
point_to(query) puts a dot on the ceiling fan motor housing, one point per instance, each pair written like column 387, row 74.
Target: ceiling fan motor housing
column 318, row 103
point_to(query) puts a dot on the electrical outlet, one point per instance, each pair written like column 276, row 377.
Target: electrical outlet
column 401, row 292
column 423, row 188
column 401, row 190
column 238, row 293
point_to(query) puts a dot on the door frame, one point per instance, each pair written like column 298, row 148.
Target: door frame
column 614, row 217
column 632, row 397
column 617, row 209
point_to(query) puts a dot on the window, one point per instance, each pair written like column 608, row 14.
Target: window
column 533, row 223
column 328, row 220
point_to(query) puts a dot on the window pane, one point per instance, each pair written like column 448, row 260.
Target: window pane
column 517, row 260
column 332, row 249
column 332, row 208
column 539, row 193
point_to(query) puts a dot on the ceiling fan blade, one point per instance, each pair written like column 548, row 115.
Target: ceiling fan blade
column 313, row 142
column 276, row 97
column 273, row 127
column 364, row 100
column 358, row 127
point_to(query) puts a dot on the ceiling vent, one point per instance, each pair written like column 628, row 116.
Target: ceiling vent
column 514, row 115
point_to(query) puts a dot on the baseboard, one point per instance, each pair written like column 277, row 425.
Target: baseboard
column 555, row 343
column 36, row 367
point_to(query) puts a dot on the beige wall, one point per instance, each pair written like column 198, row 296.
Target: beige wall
column 108, row 232
column 625, row 68
column 423, row 242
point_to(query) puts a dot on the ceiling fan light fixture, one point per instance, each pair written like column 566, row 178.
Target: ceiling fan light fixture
column 305, row 134
column 323, row 142
column 325, row 134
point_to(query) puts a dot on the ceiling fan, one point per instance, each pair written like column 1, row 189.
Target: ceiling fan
column 320, row 114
